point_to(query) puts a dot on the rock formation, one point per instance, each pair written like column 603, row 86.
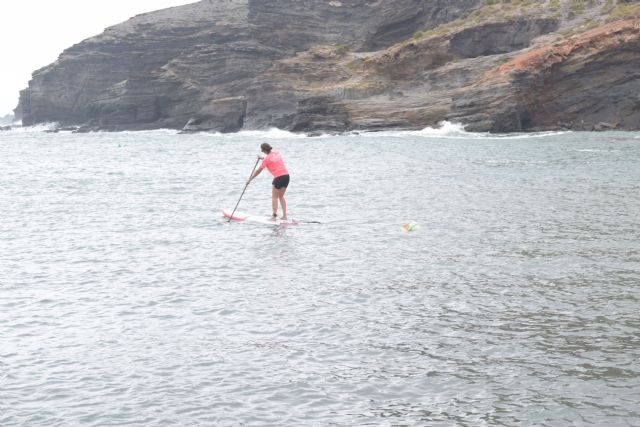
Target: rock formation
column 318, row 66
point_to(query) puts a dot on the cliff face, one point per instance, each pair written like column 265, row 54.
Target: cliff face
column 591, row 78
column 309, row 65
column 154, row 70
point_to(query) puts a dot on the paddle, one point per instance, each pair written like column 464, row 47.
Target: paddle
column 245, row 189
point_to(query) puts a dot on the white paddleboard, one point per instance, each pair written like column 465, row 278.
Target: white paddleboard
column 243, row 217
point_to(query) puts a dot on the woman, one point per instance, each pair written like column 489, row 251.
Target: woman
column 273, row 162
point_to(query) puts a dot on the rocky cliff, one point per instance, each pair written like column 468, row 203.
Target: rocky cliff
column 314, row 65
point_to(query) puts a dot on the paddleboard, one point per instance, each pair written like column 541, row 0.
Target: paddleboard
column 243, row 217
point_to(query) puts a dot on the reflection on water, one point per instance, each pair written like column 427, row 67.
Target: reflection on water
column 125, row 298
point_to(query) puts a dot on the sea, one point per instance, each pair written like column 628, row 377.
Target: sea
column 436, row 278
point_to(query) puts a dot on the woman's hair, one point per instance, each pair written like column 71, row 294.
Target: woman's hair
column 266, row 148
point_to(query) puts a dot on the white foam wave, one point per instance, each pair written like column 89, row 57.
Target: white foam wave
column 594, row 150
column 156, row 131
column 526, row 135
column 450, row 130
column 445, row 129
column 42, row 127
column 273, row 133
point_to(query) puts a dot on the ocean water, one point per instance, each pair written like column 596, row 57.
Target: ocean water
column 126, row 299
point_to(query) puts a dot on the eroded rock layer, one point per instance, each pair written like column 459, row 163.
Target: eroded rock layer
column 317, row 66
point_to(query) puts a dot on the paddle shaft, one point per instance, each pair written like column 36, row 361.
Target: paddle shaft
column 245, row 189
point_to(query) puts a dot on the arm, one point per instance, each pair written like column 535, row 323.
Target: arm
column 255, row 174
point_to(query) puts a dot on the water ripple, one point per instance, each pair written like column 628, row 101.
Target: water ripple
column 126, row 299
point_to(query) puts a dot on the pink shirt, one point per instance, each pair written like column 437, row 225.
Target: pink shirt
column 274, row 163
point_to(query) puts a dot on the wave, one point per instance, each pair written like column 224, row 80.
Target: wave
column 42, row 127
column 273, row 133
column 444, row 130
column 154, row 131
column 451, row 130
column 527, row 135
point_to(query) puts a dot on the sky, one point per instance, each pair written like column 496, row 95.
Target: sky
column 33, row 33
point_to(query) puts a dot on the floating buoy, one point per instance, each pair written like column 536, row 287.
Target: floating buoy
column 410, row 226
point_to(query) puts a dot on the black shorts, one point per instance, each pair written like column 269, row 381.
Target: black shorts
column 281, row 181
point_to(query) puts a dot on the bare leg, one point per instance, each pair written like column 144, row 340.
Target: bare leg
column 283, row 202
column 274, row 202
